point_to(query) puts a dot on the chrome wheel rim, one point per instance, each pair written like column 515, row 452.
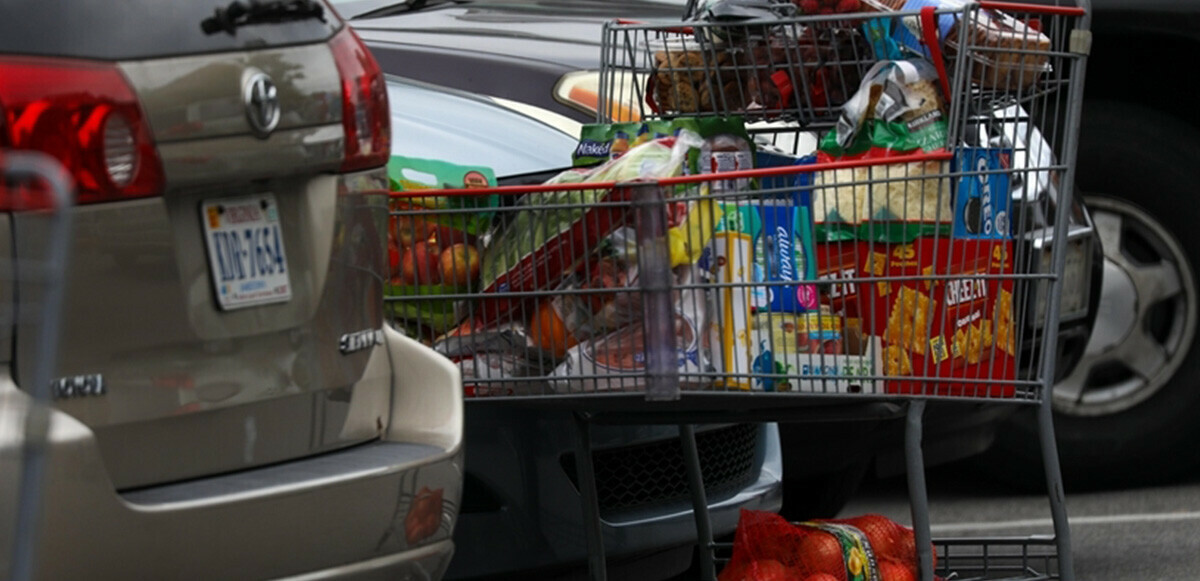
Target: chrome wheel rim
column 1146, row 318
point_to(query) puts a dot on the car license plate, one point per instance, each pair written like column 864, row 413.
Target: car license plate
column 1076, row 282
column 246, row 258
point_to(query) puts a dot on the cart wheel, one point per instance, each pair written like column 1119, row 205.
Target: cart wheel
column 1127, row 413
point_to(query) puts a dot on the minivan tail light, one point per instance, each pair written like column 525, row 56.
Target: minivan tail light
column 365, row 117
column 120, row 150
column 86, row 115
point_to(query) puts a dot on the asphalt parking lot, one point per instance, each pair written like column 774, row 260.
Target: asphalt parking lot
column 1124, row 535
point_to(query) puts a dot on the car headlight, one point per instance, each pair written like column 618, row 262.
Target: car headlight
column 581, row 90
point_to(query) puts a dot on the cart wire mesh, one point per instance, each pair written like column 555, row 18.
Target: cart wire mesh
column 1029, row 558
column 841, row 207
column 923, row 274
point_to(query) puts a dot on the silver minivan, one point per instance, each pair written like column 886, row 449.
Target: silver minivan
column 228, row 402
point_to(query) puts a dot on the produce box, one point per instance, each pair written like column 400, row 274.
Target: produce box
column 960, row 327
column 469, row 214
column 432, row 247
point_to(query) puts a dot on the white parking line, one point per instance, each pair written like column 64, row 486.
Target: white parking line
column 1076, row 520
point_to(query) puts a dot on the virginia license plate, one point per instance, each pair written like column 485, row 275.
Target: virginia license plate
column 246, row 258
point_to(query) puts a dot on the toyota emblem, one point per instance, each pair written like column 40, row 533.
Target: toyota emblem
column 262, row 102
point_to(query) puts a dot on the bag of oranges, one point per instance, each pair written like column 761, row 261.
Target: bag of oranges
column 866, row 548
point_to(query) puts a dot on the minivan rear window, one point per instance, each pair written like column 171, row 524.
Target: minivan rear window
column 139, row 29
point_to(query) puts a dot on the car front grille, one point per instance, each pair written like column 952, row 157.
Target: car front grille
column 652, row 474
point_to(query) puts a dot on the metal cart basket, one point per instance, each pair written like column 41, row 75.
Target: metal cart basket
column 30, row 182
column 673, row 283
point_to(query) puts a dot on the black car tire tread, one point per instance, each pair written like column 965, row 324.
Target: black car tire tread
column 1149, row 159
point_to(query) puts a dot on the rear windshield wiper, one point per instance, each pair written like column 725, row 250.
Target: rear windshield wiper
column 402, row 7
column 240, row 13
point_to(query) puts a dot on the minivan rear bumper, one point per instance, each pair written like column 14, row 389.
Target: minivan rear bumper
column 374, row 510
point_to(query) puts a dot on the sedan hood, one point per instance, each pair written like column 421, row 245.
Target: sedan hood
column 563, row 42
column 595, row 9
column 554, row 31
column 516, row 50
column 439, row 123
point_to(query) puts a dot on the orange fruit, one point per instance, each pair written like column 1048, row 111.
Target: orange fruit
column 887, row 537
column 821, row 552
column 548, row 331
column 769, row 570
column 893, row 571
column 821, row 577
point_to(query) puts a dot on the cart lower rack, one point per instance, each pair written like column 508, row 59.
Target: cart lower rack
column 918, row 254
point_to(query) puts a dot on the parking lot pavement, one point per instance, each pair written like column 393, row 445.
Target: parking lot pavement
column 1126, row 535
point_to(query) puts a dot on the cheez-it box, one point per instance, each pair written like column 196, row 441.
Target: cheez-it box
column 838, row 262
column 948, row 316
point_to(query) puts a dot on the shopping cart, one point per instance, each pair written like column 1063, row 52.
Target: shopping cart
column 671, row 284
column 30, row 182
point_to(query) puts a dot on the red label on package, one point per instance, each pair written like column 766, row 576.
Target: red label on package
column 943, row 309
column 838, row 261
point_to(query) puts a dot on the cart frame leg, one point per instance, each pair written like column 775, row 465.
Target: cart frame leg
column 34, row 447
column 590, row 500
column 917, row 493
column 704, row 536
column 1054, row 485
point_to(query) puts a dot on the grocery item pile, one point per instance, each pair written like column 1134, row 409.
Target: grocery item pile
column 881, row 262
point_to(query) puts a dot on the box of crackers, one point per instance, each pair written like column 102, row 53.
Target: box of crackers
column 943, row 309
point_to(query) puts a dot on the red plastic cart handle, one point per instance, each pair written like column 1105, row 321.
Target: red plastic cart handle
column 940, row 155
column 1034, row 8
column 930, row 30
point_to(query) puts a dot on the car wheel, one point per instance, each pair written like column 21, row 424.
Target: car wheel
column 1126, row 414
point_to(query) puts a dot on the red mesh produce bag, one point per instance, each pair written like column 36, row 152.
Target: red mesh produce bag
column 767, row 547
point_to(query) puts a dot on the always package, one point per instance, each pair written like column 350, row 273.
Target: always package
column 761, row 259
column 897, row 110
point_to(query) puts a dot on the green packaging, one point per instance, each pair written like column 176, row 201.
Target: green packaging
column 407, row 174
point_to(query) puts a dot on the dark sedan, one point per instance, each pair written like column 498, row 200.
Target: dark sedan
column 1124, row 408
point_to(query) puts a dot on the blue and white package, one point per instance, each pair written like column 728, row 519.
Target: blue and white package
column 784, row 250
column 983, row 201
column 783, row 185
column 908, row 30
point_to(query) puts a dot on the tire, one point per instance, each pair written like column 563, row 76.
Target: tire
column 1128, row 414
